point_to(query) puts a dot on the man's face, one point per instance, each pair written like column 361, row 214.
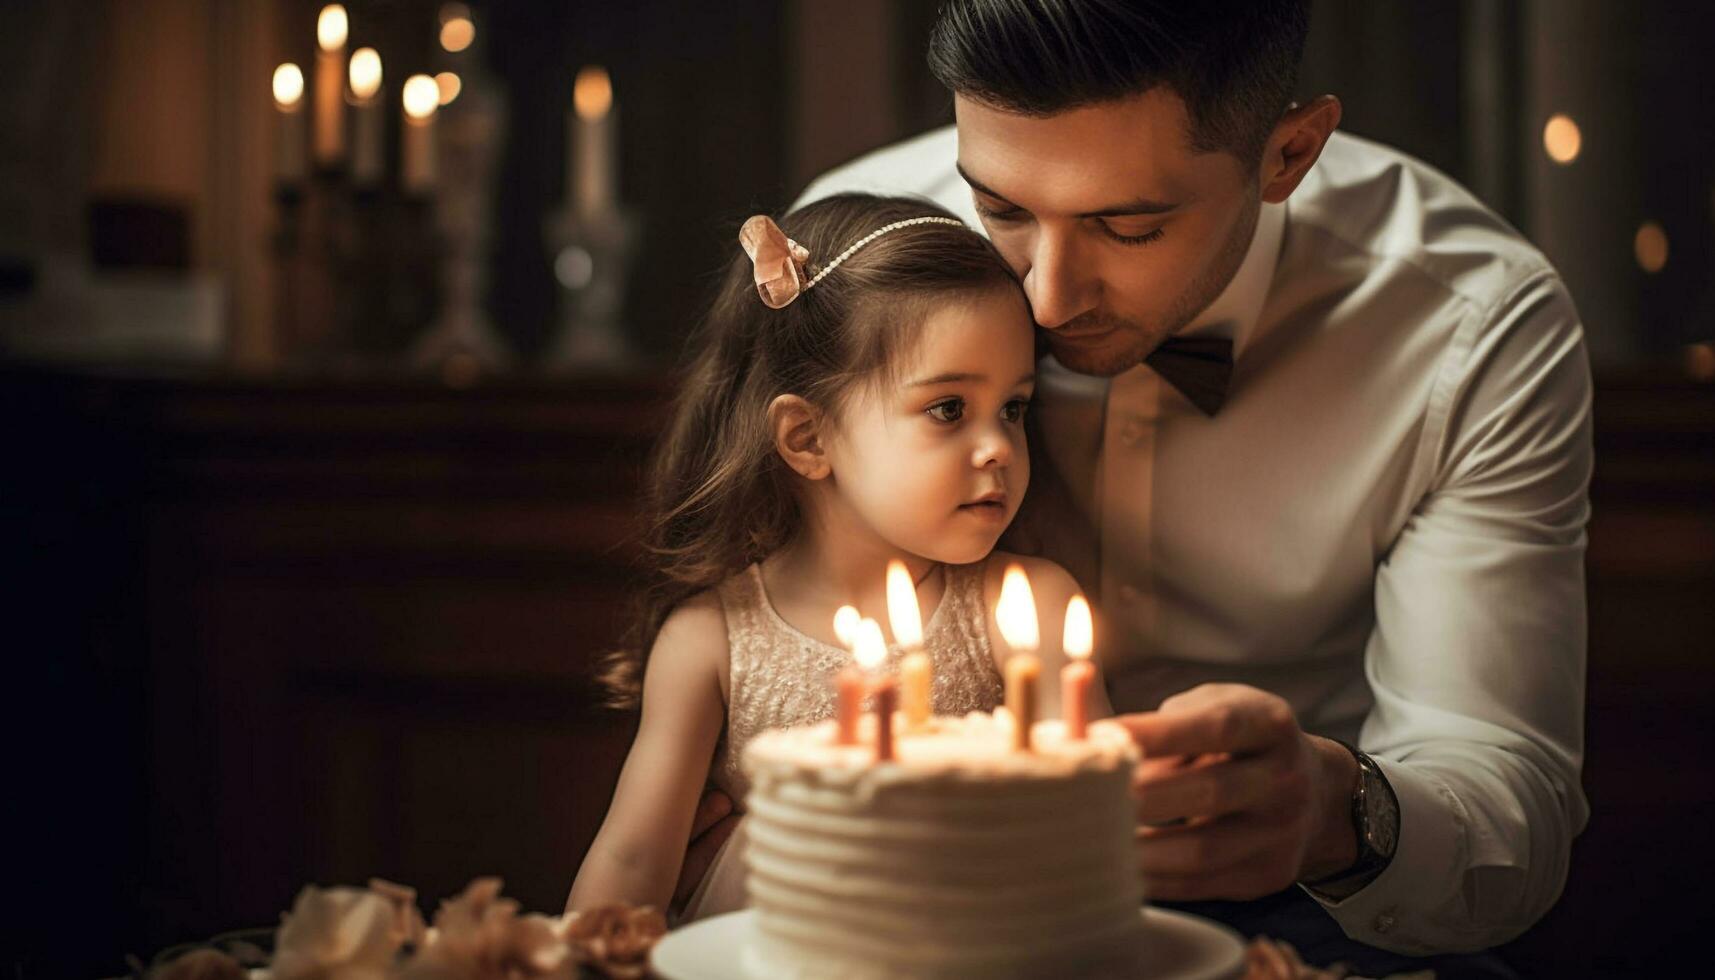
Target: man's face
column 1121, row 232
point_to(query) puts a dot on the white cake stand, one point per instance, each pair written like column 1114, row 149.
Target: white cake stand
column 1179, row 947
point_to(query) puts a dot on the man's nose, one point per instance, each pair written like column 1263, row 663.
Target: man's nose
column 1058, row 287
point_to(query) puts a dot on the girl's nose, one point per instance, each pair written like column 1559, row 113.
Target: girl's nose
column 993, row 449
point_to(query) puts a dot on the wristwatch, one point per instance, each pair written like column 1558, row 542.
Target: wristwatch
column 1375, row 817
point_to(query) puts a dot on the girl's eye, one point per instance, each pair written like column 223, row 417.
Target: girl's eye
column 1143, row 239
column 950, row 410
column 1014, row 410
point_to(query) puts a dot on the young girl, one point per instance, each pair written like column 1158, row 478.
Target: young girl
column 859, row 397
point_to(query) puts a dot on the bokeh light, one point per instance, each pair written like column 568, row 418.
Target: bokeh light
column 449, row 85
column 288, row 85
column 1650, row 246
column 422, row 96
column 1562, row 138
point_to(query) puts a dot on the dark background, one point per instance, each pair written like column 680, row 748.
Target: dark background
column 283, row 610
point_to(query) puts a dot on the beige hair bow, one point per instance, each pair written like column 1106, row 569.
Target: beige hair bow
column 777, row 261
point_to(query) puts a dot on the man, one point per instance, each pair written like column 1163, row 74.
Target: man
column 1373, row 531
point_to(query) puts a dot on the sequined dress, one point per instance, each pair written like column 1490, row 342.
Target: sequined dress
column 780, row 678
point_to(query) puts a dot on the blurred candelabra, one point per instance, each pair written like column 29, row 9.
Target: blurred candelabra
column 593, row 238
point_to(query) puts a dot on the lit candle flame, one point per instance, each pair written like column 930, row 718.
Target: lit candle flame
column 846, row 621
column 449, row 85
column 1016, row 612
column 1080, row 632
column 332, row 27
column 288, row 85
column 868, row 646
column 422, row 96
column 902, row 612
column 365, row 73
column 592, row 93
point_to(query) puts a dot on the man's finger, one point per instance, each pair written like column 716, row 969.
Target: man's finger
column 1205, row 849
column 1237, row 725
column 711, row 809
column 1229, row 786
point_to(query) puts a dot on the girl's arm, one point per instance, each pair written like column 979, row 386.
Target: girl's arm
column 636, row 855
column 1053, row 587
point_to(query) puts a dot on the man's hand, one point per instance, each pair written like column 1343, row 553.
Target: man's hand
column 714, row 823
column 1234, row 801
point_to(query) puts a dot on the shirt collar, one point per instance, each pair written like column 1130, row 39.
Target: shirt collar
column 1234, row 313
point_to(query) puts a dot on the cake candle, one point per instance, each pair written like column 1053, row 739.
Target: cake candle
column 886, row 694
column 870, row 649
column 914, row 669
column 1079, row 673
column 1016, row 615
column 849, row 683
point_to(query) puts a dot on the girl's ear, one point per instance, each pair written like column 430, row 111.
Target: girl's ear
column 797, row 428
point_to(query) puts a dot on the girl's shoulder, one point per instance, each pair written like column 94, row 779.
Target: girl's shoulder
column 693, row 638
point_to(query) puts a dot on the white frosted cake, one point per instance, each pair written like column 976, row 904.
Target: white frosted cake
column 963, row 858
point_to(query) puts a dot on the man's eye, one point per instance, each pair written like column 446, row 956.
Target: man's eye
column 1141, row 239
column 1014, row 410
column 950, row 410
column 1000, row 214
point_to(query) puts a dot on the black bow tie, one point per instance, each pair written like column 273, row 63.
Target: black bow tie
column 1200, row 367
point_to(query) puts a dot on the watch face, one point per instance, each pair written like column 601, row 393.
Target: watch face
column 1381, row 812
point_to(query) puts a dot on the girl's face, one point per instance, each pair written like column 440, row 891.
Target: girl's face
column 934, row 460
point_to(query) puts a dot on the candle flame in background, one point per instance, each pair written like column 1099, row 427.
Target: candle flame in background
column 365, row 73
column 1650, row 246
column 846, row 621
column 592, row 93
column 332, row 26
column 869, row 647
column 1016, row 612
column 422, row 96
column 457, row 33
column 902, row 612
column 1080, row 631
column 1561, row 138
column 288, row 85
column 449, row 85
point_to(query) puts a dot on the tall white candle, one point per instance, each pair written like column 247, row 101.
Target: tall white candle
column 331, row 29
column 592, row 182
column 417, row 145
column 366, row 146
column 289, row 162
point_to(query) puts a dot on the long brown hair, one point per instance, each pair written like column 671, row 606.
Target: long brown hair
column 718, row 495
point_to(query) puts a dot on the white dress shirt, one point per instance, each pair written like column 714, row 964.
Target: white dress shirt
column 1384, row 524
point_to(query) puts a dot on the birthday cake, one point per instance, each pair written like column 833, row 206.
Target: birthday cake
column 961, row 857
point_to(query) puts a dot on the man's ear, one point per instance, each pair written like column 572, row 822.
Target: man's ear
column 1295, row 144
column 797, row 426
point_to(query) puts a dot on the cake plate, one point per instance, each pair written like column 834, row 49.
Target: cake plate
column 1180, row 947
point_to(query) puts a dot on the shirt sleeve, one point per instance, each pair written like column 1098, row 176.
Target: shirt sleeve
column 1478, row 655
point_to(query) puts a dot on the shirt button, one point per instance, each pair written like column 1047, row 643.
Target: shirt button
column 1129, row 594
column 1384, row 922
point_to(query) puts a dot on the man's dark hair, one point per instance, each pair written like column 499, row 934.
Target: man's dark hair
column 1233, row 62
